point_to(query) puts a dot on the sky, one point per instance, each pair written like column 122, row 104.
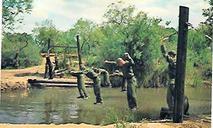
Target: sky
column 65, row 13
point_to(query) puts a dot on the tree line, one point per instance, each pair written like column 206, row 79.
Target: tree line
column 125, row 30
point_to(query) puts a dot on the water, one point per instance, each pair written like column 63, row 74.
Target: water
column 59, row 105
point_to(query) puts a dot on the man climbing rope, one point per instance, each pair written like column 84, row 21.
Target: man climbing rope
column 106, row 81
column 96, row 85
column 81, row 85
column 171, row 60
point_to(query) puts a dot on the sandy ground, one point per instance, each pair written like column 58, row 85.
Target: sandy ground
column 185, row 124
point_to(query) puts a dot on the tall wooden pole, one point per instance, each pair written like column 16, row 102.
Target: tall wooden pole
column 48, row 47
column 79, row 52
column 181, row 64
column 80, row 78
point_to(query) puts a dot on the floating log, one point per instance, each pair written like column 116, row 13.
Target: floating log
column 55, row 83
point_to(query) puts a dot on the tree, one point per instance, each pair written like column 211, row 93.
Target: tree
column 85, row 29
column 19, row 50
column 208, row 13
column 43, row 32
column 137, row 33
column 12, row 11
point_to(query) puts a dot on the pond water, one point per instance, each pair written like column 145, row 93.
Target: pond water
column 60, row 105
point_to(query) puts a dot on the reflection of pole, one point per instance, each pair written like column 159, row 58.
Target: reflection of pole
column 79, row 52
column 181, row 64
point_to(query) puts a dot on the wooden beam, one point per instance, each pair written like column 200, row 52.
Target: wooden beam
column 44, row 81
column 181, row 64
column 55, row 85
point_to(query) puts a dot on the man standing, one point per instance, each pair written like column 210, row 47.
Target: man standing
column 48, row 68
column 127, row 70
column 56, row 63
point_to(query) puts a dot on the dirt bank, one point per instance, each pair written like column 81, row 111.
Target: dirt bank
column 13, row 79
column 185, row 124
column 17, row 78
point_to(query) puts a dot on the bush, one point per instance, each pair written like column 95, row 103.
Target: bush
column 15, row 44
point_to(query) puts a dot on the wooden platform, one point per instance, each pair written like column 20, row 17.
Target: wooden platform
column 54, row 83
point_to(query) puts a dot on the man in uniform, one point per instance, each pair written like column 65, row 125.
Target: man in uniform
column 171, row 59
column 56, row 67
column 81, row 84
column 124, row 85
column 124, row 80
column 96, row 85
column 127, row 70
column 48, row 68
column 117, row 79
column 105, row 73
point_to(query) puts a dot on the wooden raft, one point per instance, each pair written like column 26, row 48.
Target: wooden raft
column 54, row 83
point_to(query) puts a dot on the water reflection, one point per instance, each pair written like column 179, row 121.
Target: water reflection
column 59, row 105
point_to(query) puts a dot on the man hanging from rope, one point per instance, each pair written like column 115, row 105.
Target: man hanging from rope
column 171, row 60
column 126, row 66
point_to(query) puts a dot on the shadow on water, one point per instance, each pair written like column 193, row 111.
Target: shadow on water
column 60, row 105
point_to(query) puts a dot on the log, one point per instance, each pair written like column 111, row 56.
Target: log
column 55, row 83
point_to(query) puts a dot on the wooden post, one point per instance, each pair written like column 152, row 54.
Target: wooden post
column 181, row 64
column 79, row 52
column 48, row 47
column 47, row 55
column 80, row 78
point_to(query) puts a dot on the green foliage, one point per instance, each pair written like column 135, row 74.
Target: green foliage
column 197, row 41
column 118, row 119
column 198, row 57
column 128, row 30
column 208, row 26
column 45, row 31
column 111, row 116
column 85, row 29
column 22, row 45
column 30, row 56
column 208, row 13
column 125, row 30
column 12, row 11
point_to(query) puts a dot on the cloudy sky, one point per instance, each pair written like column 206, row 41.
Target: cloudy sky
column 65, row 13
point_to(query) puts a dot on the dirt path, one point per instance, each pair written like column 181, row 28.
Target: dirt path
column 185, row 124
